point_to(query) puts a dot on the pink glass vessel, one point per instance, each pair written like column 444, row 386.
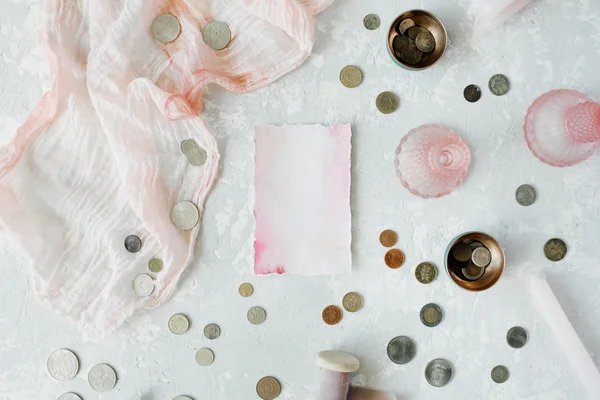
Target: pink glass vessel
column 562, row 127
column 432, row 161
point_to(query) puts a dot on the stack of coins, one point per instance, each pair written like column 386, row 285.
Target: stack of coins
column 469, row 259
column 414, row 43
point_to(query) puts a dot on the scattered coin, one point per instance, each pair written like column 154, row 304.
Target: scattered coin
column 401, row 350
column 481, row 257
column 205, row 357
column 473, row 272
column 555, row 249
column 411, row 55
column 195, row 154
column 387, row 102
column 400, row 42
column 472, row 93
column 461, row 252
column 212, row 331
column 394, row 258
column 500, row 374
column 155, row 265
column 351, row 76
column 185, row 215
column 525, row 195
column 499, row 85
column 414, row 31
column 62, row 364
column 166, row 28
column 516, row 337
column 388, row 238
column 438, row 372
column 352, row 302
column 426, row 272
column 371, row 22
column 405, row 24
column 268, row 388
column 257, row 315
column 102, row 377
column 431, row 315
column 425, row 42
column 133, row 244
column 246, row 289
column 143, row 285
column 216, row 35
column 69, row 396
column 179, row 324
column 332, row 315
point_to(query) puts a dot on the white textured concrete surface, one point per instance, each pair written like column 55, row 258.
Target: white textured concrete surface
column 552, row 44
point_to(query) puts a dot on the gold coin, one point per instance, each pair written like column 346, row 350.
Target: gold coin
column 332, row 315
column 268, row 388
column 246, row 289
column 387, row 102
column 388, row 238
column 394, row 258
column 155, row 265
column 351, row 76
column 352, row 302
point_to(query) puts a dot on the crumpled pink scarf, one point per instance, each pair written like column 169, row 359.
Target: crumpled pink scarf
column 99, row 158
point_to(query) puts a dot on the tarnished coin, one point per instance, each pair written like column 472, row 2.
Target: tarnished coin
column 256, row 315
column 499, row 85
column 143, row 285
column 525, row 195
column 555, row 249
column 69, row 396
column 102, row 377
column 179, row 324
column 405, row 25
column 185, row 215
column 332, row 315
column 500, row 374
column 400, row 42
column 166, row 28
column 351, row 76
column 394, row 258
column 246, row 289
column 268, row 388
column 439, row 372
column 431, row 315
column 216, row 35
column 461, row 252
column 475, row 244
column 155, row 265
column 205, row 357
column 212, row 331
column 195, row 154
column 426, row 272
column 414, row 31
column 473, row 272
column 401, row 350
column 371, row 22
column 472, row 93
column 352, row 302
column 425, row 42
column 481, row 257
column 62, row 364
column 411, row 55
column 133, row 244
column 388, row 238
column 387, row 102
column 516, row 337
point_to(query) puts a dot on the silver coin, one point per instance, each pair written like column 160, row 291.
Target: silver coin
column 401, row 350
column 185, row 215
column 69, row 396
column 472, row 93
column 461, row 252
column 179, row 324
column 481, row 257
column 425, row 42
column 516, row 337
column 195, row 154
column 469, row 275
column 166, row 28
column 143, row 285
column 212, row 331
column 499, row 85
column 439, row 372
column 431, row 315
column 205, row 357
column 133, row 244
column 257, row 315
column 500, row 374
column 371, row 22
column 405, row 25
column 62, row 364
column 555, row 249
column 102, row 377
column 525, row 195
column 183, row 398
column 216, row 35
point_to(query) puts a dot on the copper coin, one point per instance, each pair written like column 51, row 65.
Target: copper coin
column 394, row 258
column 332, row 315
column 388, row 238
column 268, row 388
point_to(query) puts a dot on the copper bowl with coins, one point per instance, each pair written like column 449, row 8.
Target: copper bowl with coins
column 416, row 40
column 474, row 261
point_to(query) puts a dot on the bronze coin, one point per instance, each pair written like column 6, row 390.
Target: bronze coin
column 268, row 388
column 414, row 31
column 332, row 315
column 400, row 42
column 411, row 55
column 394, row 258
column 472, row 93
column 388, row 238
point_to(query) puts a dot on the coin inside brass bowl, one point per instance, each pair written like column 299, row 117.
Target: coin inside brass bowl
column 428, row 21
column 492, row 272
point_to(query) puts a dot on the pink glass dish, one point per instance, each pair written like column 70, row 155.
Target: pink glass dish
column 432, row 161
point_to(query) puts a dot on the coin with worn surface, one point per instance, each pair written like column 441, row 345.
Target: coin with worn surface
column 401, row 350
column 212, row 331
column 431, row 315
column 351, row 76
column 268, row 388
column 69, row 396
column 62, row 364
column 555, row 249
column 352, row 302
column 426, row 272
column 516, row 337
column 185, row 215
column 472, row 93
column 371, row 22
column 473, row 272
column 155, row 265
column 388, row 238
column 216, row 35
column 414, row 31
column 143, row 285
column 133, row 244
column 481, row 257
column 195, row 154
column 256, row 315
column 425, row 42
column 400, row 42
column 405, row 25
column 499, row 85
column 387, row 102
column 179, row 324
column 205, row 357
column 439, row 372
column 166, row 28
column 102, row 377
column 394, row 258
column 411, row 55
column 500, row 374
column 246, row 289
column 525, row 195
column 461, row 252
column 332, row 315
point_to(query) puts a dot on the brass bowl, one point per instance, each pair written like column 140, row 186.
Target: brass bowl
column 492, row 272
column 426, row 20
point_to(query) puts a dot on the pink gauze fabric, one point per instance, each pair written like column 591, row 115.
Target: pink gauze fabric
column 302, row 200
column 99, row 158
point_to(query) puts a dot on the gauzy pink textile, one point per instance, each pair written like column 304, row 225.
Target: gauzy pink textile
column 99, row 158
column 302, row 200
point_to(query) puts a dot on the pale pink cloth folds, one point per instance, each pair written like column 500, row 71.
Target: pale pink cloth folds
column 490, row 14
column 99, row 158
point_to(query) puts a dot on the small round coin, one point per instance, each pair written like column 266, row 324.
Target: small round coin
column 195, row 154
column 400, row 42
column 401, row 350
column 461, row 252
column 216, row 35
column 473, row 272
column 205, row 357
column 256, row 315
column 371, row 22
column 516, row 337
column 555, row 249
column 414, row 31
column 525, row 195
column 133, row 244
column 425, row 42
column 411, row 55
column 431, row 315
column 246, row 289
column 394, row 258
column 405, row 25
column 155, row 265
column 166, row 28
column 499, row 85
column 388, row 238
column 62, row 364
column 268, row 388
column 102, row 377
column 185, row 215
column 143, row 285
column 212, row 331
column 69, row 396
column 426, row 272
column 481, row 257
column 500, row 374
column 351, row 76
column 179, row 324
column 332, row 315
column 352, row 302
column 439, row 372
column 472, row 93
column 387, row 102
